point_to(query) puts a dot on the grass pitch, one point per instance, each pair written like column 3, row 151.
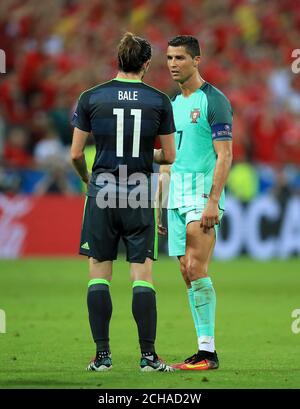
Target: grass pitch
column 47, row 343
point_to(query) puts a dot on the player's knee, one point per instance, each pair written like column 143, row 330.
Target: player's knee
column 141, row 271
column 195, row 268
column 183, row 271
column 143, row 276
column 182, row 266
column 185, row 276
column 100, row 269
column 95, row 274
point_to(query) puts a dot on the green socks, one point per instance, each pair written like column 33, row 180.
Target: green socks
column 202, row 299
column 193, row 310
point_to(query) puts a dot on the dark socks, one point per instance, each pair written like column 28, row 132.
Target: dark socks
column 100, row 310
column 145, row 315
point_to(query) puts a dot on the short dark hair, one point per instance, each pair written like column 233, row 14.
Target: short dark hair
column 190, row 43
column 133, row 52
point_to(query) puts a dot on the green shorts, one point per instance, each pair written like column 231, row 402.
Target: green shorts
column 178, row 219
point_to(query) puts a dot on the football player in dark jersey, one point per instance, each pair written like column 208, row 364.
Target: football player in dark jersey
column 125, row 115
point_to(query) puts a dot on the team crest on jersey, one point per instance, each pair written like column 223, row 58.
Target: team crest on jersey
column 195, row 114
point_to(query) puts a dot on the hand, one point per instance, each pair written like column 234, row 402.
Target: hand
column 161, row 230
column 210, row 216
column 87, row 178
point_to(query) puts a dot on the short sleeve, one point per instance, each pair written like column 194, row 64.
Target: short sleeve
column 167, row 125
column 81, row 117
column 220, row 117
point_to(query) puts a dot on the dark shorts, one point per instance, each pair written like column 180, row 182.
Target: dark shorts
column 102, row 230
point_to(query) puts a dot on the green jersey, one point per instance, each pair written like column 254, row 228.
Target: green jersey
column 203, row 117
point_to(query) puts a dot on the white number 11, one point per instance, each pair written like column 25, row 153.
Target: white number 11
column 137, row 113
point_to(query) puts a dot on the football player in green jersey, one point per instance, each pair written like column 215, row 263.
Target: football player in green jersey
column 203, row 120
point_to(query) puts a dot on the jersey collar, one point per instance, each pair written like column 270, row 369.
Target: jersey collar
column 126, row 80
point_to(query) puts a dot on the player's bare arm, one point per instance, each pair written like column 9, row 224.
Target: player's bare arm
column 165, row 155
column 77, row 153
column 164, row 172
column 210, row 215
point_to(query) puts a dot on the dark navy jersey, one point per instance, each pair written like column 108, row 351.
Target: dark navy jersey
column 124, row 116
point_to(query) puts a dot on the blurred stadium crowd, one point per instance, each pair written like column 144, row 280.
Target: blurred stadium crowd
column 55, row 50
